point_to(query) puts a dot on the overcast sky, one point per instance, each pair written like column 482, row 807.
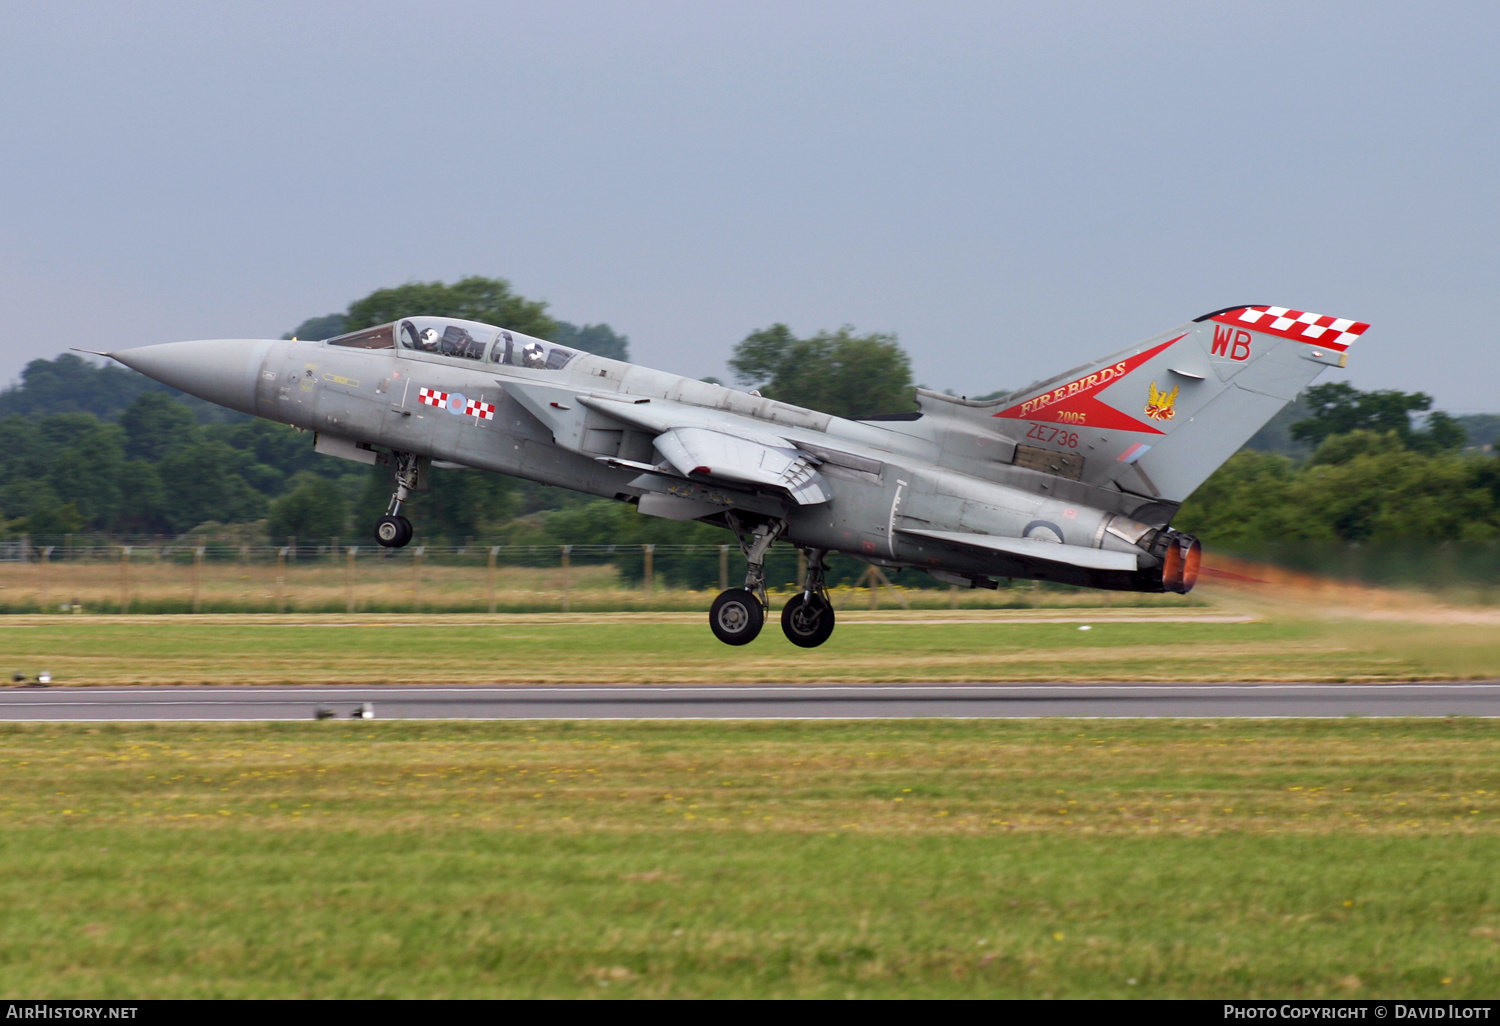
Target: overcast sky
column 1010, row 188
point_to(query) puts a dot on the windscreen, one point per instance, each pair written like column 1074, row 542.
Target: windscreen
column 382, row 336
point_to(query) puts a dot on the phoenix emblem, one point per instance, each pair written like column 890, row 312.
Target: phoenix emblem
column 1161, row 405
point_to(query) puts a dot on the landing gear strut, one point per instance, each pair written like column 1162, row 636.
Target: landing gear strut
column 738, row 614
column 807, row 620
column 393, row 530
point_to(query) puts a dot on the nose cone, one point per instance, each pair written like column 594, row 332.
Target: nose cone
column 222, row 371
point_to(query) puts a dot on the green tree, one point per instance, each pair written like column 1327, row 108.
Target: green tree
column 598, row 339
column 1246, row 501
column 84, row 465
column 144, row 506
column 1439, row 433
column 313, row 507
column 204, row 483
column 838, row 372
column 1340, row 449
column 1398, row 495
column 476, row 299
column 1362, row 486
column 1482, row 430
column 45, row 515
column 155, row 424
column 1338, row 408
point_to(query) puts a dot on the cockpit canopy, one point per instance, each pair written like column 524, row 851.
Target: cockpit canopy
column 461, row 340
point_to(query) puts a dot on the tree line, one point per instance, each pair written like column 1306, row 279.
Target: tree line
column 90, row 449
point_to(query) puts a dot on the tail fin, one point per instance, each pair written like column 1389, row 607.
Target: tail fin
column 1157, row 419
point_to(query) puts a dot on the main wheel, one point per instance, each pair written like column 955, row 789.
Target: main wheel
column 807, row 622
column 736, row 617
column 393, row 532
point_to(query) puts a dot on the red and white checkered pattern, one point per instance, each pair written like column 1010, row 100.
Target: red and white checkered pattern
column 482, row 410
column 432, row 397
column 1336, row 333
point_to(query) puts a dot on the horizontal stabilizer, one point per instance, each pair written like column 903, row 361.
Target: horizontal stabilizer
column 1052, row 552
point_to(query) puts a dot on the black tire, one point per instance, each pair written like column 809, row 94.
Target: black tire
column 393, row 532
column 807, row 622
column 737, row 617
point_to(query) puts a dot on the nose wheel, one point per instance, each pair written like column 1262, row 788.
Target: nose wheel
column 393, row 532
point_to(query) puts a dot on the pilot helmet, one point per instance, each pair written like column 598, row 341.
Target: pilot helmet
column 533, row 355
column 430, row 338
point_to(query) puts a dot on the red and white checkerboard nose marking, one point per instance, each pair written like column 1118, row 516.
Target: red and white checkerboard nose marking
column 482, row 410
column 1336, row 333
column 432, row 397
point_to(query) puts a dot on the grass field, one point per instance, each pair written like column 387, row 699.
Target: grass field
column 1202, row 644
column 407, row 583
column 959, row 858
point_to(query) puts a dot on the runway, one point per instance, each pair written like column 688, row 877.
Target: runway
column 749, row 701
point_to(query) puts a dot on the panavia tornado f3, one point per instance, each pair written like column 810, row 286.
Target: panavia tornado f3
column 1075, row 479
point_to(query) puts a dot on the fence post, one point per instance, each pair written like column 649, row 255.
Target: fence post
column 198, row 579
column 46, row 556
column 801, row 569
column 416, row 578
column 952, row 596
column 494, row 551
column 723, row 567
column 281, row 579
column 648, row 552
column 124, row 578
column 349, row 578
column 567, row 561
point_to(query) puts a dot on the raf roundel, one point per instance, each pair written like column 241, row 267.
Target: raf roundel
column 457, row 403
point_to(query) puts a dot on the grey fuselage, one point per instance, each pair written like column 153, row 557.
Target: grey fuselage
column 943, row 470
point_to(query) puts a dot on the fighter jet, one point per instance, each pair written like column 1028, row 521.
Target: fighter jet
column 1075, row 479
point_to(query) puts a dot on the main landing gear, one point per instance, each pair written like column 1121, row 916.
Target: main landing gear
column 738, row 614
column 807, row 620
column 393, row 530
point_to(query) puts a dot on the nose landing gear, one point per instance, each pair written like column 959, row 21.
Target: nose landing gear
column 393, row 530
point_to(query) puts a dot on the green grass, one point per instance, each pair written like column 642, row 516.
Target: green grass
column 1353, row 858
column 678, row 648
